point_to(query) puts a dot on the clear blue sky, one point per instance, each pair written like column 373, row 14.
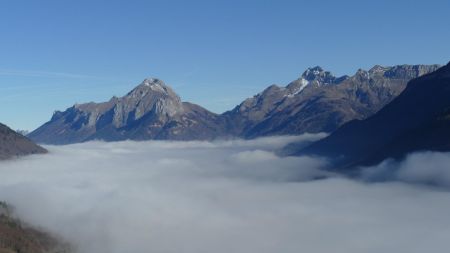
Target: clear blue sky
column 214, row 53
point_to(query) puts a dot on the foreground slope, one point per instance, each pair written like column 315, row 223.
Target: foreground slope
column 13, row 144
column 15, row 237
column 418, row 119
column 152, row 110
column 321, row 102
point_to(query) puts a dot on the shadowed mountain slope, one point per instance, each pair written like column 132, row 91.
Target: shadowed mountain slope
column 418, row 119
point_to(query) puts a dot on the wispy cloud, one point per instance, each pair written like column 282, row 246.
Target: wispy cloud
column 47, row 74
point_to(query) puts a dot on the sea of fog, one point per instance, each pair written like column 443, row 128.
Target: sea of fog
column 231, row 196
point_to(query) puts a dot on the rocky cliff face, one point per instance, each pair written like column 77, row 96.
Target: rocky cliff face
column 13, row 144
column 418, row 119
column 150, row 111
column 321, row 102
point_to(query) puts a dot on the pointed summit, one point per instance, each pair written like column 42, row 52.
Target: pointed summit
column 153, row 85
column 319, row 75
column 152, row 81
column 311, row 74
column 152, row 110
column 378, row 69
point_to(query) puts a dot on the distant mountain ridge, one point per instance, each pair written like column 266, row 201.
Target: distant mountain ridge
column 316, row 102
column 417, row 120
column 320, row 102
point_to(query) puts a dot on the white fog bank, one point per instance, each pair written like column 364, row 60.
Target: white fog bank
column 217, row 197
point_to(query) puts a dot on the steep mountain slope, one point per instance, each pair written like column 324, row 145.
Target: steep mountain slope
column 15, row 237
column 13, row 144
column 320, row 102
column 418, row 119
column 150, row 111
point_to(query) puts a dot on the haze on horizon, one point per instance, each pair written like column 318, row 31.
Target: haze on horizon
column 56, row 54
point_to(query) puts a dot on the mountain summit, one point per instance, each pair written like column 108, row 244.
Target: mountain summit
column 320, row 76
column 152, row 110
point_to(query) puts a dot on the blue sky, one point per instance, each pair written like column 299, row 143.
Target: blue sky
column 54, row 54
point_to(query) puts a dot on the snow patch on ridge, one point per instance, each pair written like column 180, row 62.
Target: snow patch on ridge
column 303, row 84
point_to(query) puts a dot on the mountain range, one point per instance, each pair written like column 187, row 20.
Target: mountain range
column 320, row 102
column 417, row 120
column 316, row 102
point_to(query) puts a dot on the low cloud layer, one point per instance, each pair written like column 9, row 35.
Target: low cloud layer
column 232, row 196
column 425, row 168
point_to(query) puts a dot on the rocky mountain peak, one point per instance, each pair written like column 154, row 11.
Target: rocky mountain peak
column 152, row 110
column 362, row 75
column 155, row 82
column 319, row 75
column 152, row 85
column 312, row 73
column 378, row 69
